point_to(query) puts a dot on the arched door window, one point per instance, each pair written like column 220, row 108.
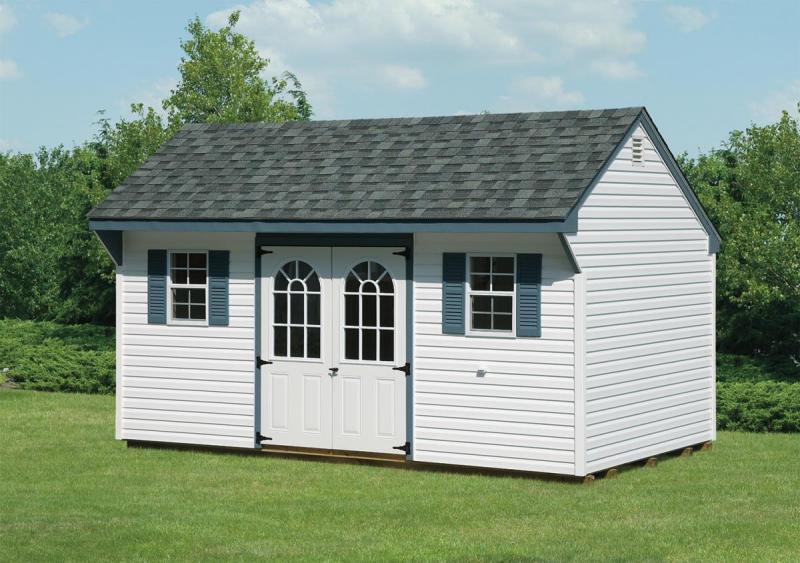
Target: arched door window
column 369, row 313
column 296, row 317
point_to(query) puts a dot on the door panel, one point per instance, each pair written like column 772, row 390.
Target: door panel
column 296, row 319
column 341, row 308
column 370, row 340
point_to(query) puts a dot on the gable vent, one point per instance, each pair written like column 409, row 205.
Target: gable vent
column 638, row 151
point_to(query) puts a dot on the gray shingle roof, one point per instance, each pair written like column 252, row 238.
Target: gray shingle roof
column 524, row 166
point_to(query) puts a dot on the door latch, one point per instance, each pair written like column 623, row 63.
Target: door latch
column 405, row 368
column 333, row 371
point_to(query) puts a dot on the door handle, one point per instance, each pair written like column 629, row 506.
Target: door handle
column 333, row 371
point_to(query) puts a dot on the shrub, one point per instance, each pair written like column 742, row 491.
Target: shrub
column 758, row 406
column 51, row 357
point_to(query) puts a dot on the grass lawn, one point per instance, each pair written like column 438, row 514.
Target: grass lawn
column 70, row 492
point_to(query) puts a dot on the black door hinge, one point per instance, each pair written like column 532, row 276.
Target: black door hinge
column 401, row 253
column 261, row 438
column 261, row 252
column 405, row 368
column 405, row 448
column 260, row 362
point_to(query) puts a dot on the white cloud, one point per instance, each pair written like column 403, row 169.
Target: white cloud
column 8, row 69
column 65, row 25
column 9, row 144
column 688, row 18
column 342, row 45
column 403, row 77
column 539, row 93
column 7, row 19
column 769, row 109
column 618, row 70
column 549, row 88
column 151, row 95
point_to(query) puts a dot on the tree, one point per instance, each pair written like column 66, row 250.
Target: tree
column 51, row 265
column 751, row 189
column 221, row 81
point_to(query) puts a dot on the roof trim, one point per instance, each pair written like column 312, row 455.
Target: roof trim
column 652, row 131
column 567, row 226
column 570, row 254
column 112, row 242
column 660, row 144
column 573, row 213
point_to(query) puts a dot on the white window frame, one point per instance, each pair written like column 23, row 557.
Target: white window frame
column 487, row 332
column 342, row 315
column 185, row 322
column 272, row 311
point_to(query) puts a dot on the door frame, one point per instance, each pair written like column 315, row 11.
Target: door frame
column 378, row 240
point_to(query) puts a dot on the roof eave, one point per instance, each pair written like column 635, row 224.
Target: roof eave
column 324, row 227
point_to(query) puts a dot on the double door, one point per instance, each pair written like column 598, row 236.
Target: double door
column 333, row 332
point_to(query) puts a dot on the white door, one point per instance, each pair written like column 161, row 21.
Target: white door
column 346, row 396
column 296, row 338
column 370, row 341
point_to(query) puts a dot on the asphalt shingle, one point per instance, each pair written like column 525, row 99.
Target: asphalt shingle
column 523, row 166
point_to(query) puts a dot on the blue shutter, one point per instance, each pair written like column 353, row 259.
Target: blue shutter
column 156, row 287
column 454, row 271
column 529, row 294
column 218, row 274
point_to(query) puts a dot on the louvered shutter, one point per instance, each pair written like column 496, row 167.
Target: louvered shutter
column 454, row 266
column 156, row 287
column 218, row 274
column 529, row 294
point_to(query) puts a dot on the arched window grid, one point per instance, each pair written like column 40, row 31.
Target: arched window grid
column 369, row 313
column 297, row 322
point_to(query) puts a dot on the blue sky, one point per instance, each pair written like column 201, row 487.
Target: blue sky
column 701, row 68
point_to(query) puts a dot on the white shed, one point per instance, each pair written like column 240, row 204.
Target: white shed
column 522, row 291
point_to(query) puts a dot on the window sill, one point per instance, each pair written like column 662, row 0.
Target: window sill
column 186, row 323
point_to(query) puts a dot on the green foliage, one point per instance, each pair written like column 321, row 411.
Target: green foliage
column 733, row 368
column 51, row 266
column 757, row 395
column 760, row 406
column 751, row 189
column 221, row 81
column 56, row 357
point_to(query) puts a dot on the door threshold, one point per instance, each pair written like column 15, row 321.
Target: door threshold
column 329, row 453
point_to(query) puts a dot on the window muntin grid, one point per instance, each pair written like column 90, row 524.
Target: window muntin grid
column 369, row 323
column 491, row 293
column 188, row 285
column 296, row 320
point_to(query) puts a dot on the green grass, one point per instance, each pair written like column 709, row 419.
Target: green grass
column 68, row 491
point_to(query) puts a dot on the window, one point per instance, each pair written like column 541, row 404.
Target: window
column 369, row 313
column 188, row 274
column 296, row 318
column 491, row 293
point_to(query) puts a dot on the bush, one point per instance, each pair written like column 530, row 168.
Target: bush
column 51, row 357
column 758, row 406
column 733, row 368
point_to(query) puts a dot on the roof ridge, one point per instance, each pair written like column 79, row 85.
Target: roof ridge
column 414, row 120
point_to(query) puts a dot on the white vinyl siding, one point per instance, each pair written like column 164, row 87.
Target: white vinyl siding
column 520, row 414
column 649, row 358
column 186, row 383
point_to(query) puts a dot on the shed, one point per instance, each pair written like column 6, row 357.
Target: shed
column 529, row 291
